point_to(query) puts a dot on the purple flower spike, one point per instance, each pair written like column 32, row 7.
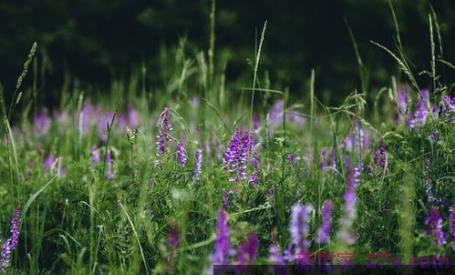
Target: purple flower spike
column 222, row 249
column 181, row 154
column 403, row 99
column 237, row 155
column 197, row 164
column 225, row 199
column 448, row 108
column 109, row 169
column 163, row 134
column 94, row 156
column 421, row 114
column 349, row 210
column 299, row 228
column 248, row 250
column 324, row 231
column 275, row 255
column 452, row 221
column 254, row 178
column 132, row 117
column 434, row 222
column 10, row 244
column 173, row 236
column 291, row 159
column 49, row 162
column 42, row 123
column 276, row 116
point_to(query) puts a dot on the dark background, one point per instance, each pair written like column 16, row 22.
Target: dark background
column 96, row 41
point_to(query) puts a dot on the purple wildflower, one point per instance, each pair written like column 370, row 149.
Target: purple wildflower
column 276, row 116
column 275, row 255
column 349, row 210
column 48, row 163
column 163, row 134
column 356, row 139
column 276, row 113
column 225, row 199
column 173, row 236
column 421, row 113
column 328, row 162
column 103, row 121
column 94, row 155
column 434, row 222
column 42, row 123
column 132, row 117
column 270, row 192
column 222, row 249
column 254, row 178
column 379, row 160
column 237, row 154
column 109, row 171
column 291, row 159
column 324, row 231
column 452, row 221
column 448, row 105
column 181, row 154
column 403, row 101
column 11, row 243
column 295, row 118
column 248, row 250
column 322, row 163
column 245, row 149
column 197, row 164
column 299, row 228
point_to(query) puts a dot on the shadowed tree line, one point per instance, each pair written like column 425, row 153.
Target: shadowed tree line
column 97, row 41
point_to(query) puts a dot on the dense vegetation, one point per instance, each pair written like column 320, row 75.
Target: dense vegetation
column 193, row 172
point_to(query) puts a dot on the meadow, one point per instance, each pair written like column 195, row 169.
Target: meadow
column 196, row 172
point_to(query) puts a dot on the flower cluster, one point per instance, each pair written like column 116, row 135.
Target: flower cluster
column 357, row 139
column 254, row 178
column 237, row 155
column 377, row 166
column 94, row 155
column 448, row 107
column 277, row 115
column 53, row 164
column 299, row 230
column 248, row 250
column 349, row 210
column 222, row 249
column 452, row 225
column 181, row 154
column 434, row 223
column 163, row 134
column 10, row 244
column 42, row 123
column 328, row 160
column 324, row 231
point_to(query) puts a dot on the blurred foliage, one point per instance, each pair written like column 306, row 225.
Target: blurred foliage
column 97, row 41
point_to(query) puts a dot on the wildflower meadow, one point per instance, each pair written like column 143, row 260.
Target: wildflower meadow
column 195, row 172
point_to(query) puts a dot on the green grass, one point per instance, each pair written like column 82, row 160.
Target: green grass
column 82, row 223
